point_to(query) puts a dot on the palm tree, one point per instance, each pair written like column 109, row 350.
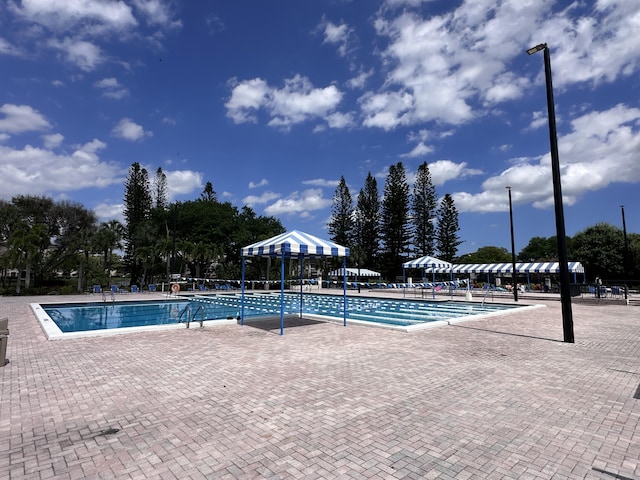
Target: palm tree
column 26, row 247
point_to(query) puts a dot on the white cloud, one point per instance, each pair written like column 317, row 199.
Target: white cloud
column 8, row 49
column 52, row 141
column 157, row 12
column 359, row 80
column 70, row 14
column 109, row 211
column 180, row 182
column 39, row 171
column 127, row 129
column 321, row 182
column 21, row 118
column 296, row 102
column 83, row 54
column 585, row 154
column 340, row 120
column 252, row 200
column 299, row 101
column 454, row 67
column 300, row 203
column 261, row 183
column 246, row 99
column 112, row 88
column 538, row 120
column 420, row 150
column 337, row 35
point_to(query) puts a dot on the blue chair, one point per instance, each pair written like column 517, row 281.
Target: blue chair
column 152, row 287
column 134, row 289
column 114, row 289
column 97, row 289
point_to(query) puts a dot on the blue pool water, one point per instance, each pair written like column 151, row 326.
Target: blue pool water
column 100, row 316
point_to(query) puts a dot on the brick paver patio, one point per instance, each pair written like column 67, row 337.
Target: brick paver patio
column 497, row 398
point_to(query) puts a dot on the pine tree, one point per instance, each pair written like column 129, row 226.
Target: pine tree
column 160, row 189
column 424, row 210
column 340, row 225
column 368, row 223
column 447, row 231
column 209, row 194
column 137, row 206
column 395, row 225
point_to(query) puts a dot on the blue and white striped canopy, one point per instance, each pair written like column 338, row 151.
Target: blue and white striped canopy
column 427, row 262
column 532, row 267
column 295, row 244
column 353, row 272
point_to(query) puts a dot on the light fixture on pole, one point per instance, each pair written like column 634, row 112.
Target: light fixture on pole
column 513, row 251
column 565, row 292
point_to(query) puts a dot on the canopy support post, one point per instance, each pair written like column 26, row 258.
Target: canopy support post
column 282, row 294
column 242, row 305
column 344, row 289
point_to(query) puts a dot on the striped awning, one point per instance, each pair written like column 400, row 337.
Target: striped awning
column 531, row 267
column 295, row 244
column 427, row 262
column 354, row 272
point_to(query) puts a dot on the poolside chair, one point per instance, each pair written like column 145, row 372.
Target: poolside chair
column 97, row 289
column 152, row 287
column 134, row 289
column 114, row 289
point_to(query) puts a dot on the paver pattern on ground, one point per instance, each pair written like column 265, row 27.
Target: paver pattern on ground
column 496, row 398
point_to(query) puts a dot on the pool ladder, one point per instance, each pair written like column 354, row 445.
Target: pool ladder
column 104, row 296
column 187, row 311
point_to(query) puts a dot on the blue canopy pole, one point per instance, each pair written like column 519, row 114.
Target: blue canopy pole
column 242, row 308
column 451, row 284
column 433, row 285
column 301, row 258
column 344, row 288
column 404, row 281
column 282, row 294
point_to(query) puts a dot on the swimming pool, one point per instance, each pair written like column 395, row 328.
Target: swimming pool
column 66, row 320
column 81, row 319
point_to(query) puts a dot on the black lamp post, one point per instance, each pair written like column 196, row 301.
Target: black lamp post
column 626, row 253
column 565, row 292
column 513, row 250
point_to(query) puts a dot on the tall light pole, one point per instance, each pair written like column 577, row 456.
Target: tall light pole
column 626, row 253
column 513, row 250
column 565, row 292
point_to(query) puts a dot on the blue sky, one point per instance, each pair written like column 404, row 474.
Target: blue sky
column 273, row 101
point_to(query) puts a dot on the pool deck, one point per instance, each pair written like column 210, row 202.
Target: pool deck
column 497, row 398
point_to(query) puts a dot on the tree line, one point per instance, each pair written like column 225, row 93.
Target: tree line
column 383, row 232
column 48, row 239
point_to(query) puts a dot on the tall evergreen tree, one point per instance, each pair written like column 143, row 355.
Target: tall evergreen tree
column 368, row 223
column 209, row 194
column 395, row 224
column 160, row 189
column 448, row 228
column 424, row 211
column 340, row 225
column 137, row 206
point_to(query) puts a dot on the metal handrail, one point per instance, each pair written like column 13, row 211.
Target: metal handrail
column 199, row 309
column 185, row 310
